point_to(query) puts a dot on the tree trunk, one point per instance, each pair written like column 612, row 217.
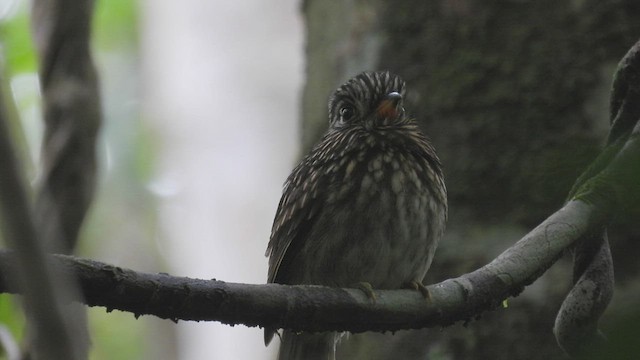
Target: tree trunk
column 514, row 96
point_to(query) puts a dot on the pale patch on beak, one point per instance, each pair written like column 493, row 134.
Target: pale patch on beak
column 388, row 107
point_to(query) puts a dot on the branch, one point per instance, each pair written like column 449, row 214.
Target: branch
column 611, row 188
column 42, row 293
column 576, row 325
column 61, row 31
column 72, row 117
column 316, row 308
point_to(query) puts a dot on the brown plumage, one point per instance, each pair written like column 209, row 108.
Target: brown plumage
column 367, row 204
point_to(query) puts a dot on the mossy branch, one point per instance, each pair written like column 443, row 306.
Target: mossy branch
column 611, row 183
column 317, row 308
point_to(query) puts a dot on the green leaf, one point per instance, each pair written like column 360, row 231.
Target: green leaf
column 17, row 46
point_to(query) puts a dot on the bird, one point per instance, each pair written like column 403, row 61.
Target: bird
column 367, row 205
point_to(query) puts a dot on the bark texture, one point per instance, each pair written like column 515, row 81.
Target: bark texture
column 514, row 96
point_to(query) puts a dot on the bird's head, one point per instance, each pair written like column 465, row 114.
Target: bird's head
column 370, row 100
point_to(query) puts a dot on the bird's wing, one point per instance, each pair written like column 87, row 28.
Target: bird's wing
column 300, row 203
column 297, row 212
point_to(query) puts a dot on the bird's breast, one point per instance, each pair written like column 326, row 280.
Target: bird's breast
column 375, row 224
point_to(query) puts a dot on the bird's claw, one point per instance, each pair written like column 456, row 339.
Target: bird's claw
column 416, row 285
column 367, row 289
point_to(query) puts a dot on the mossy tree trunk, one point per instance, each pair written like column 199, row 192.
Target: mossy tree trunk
column 514, row 94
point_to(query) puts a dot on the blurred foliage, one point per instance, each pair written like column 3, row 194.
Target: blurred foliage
column 11, row 316
column 115, row 335
column 115, row 24
column 115, row 35
column 15, row 39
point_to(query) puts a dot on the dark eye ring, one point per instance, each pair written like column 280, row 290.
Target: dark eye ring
column 346, row 113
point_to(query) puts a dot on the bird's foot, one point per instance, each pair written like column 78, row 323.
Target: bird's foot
column 367, row 289
column 416, row 285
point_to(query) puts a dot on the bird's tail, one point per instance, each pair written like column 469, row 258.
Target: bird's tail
column 308, row 346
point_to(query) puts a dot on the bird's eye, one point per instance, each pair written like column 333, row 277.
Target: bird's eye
column 346, row 113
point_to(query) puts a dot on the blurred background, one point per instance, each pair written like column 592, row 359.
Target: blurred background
column 209, row 104
column 201, row 107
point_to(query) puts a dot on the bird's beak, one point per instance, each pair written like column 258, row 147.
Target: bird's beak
column 388, row 107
